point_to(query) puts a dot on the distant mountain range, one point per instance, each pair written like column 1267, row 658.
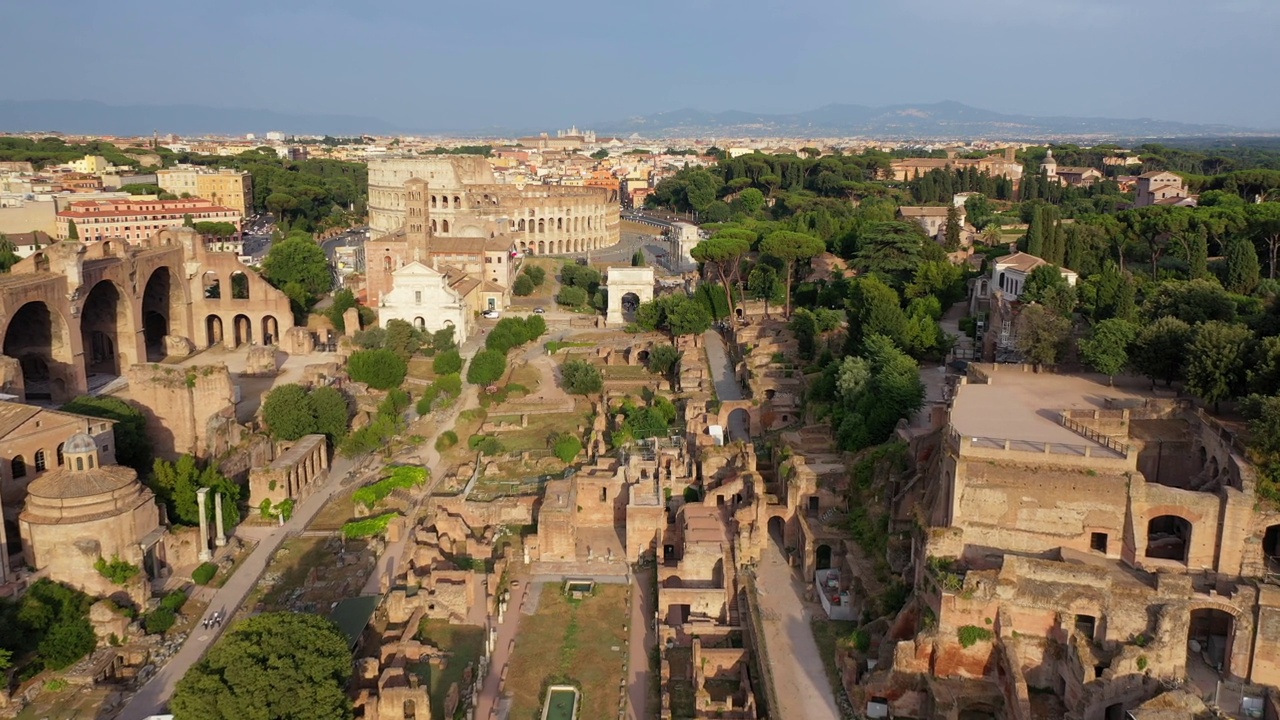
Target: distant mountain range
column 934, row 120
column 87, row 117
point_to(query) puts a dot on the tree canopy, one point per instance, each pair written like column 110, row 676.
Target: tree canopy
column 292, row 666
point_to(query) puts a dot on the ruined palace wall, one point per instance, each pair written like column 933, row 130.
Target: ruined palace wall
column 183, row 405
column 1037, row 510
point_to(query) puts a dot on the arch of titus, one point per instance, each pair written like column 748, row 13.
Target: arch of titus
column 623, row 281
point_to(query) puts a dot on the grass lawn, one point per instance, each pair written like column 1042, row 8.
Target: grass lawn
column 534, row 437
column 572, row 640
column 464, row 643
column 422, row 368
column 829, row 634
column 296, row 559
column 334, row 513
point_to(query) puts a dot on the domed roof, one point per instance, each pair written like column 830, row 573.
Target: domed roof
column 65, row 483
column 79, row 443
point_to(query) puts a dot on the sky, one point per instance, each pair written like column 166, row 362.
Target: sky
column 468, row 64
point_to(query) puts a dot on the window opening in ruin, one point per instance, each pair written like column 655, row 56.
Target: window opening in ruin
column 1098, row 542
column 239, row 286
column 40, row 463
column 1098, row 670
column 1168, row 538
column 1085, row 625
column 1271, row 549
column 604, row 494
column 1210, row 633
column 813, row 503
column 59, row 453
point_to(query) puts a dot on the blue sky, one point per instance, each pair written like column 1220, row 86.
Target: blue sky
column 472, row 63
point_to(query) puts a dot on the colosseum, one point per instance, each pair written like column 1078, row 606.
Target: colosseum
column 466, row 199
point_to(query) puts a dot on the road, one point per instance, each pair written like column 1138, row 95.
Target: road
column 642, row 639
column 799, row 676
column 153, row 696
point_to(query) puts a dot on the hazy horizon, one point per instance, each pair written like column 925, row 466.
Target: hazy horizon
column 500, row 63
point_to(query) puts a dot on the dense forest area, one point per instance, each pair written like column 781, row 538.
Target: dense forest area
column 307, row 195
column 1180, row 295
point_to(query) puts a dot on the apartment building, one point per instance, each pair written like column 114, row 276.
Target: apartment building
column 137, row 219
column 225, row 187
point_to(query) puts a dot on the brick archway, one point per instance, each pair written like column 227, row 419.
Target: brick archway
column 727, row 408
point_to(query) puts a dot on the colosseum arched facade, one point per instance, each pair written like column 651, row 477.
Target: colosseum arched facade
column 464, row 200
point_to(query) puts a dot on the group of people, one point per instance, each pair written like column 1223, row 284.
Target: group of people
column 214, row 620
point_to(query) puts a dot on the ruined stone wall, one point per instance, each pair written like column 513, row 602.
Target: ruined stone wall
column 179, row 404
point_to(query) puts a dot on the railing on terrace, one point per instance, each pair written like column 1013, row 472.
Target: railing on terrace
column 1222, row 432
column 1036, row 446
column 1094, row 435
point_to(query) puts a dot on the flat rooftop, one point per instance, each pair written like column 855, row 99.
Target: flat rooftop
column 1018, row 405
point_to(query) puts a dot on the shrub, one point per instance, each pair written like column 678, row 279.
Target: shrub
column 368, row 527
column 969, row 635
column 204, row 573
column 523, row 286
column 159, row 620
column 860, row 640
column 450, row 384
column 486, row 367
column 567, row 447
column 174, row 600
column 264, row 508
column 447, row 439
column 1142, row 662
column 662, row 359
column 581, row 377
column 691, row 494
column 571, row 296
column 510, row 332
column 491, row 446
column 447, row 362
column 116, row 570
column 404, row 476
column 67, row 641
column 379, row 369
column 536, row 274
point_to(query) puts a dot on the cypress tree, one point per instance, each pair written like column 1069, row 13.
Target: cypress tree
column 952, row 232
column 1074, row 253
column 1198, row 255
column 1243, row 270
column 1035, row 234
column 73, row 233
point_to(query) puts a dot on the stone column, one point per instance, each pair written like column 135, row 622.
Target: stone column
column 202, row 500
column 220, row 536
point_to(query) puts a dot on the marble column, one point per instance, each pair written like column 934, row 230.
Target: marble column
column 220, row 536
column 202, row 500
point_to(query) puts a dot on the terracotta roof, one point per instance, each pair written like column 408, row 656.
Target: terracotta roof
column 1020, row 261
column 924, row 211
column 12, row 415
column 1154, row 173
column 65, row 483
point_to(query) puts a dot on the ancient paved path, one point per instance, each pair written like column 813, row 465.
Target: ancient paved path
column 155, row 694
column 799, row 676
column 642, row 638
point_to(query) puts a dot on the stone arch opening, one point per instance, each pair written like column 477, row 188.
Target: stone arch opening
column 642, row 357
column 58, row 454
column 157, row 299
column 239, row 286
column 542, row 247
column 420, row 323
column 243, row 330
column 213, row 330
column 777, row 529
column 1210, row 634
column 1271, row 548
column 739, row 425
column 1168, row 538
column 520, row 225
column 212, row 285
column 457, row 202
column 38, row 339
column 822, row 557
column 409, row 710
column 630, row 303
column 444, row 226
column 433, row 201
column 106, row 330
column 270, row 330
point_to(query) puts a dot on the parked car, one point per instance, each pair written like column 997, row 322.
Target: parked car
column 492, row 314
column 539, row 311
